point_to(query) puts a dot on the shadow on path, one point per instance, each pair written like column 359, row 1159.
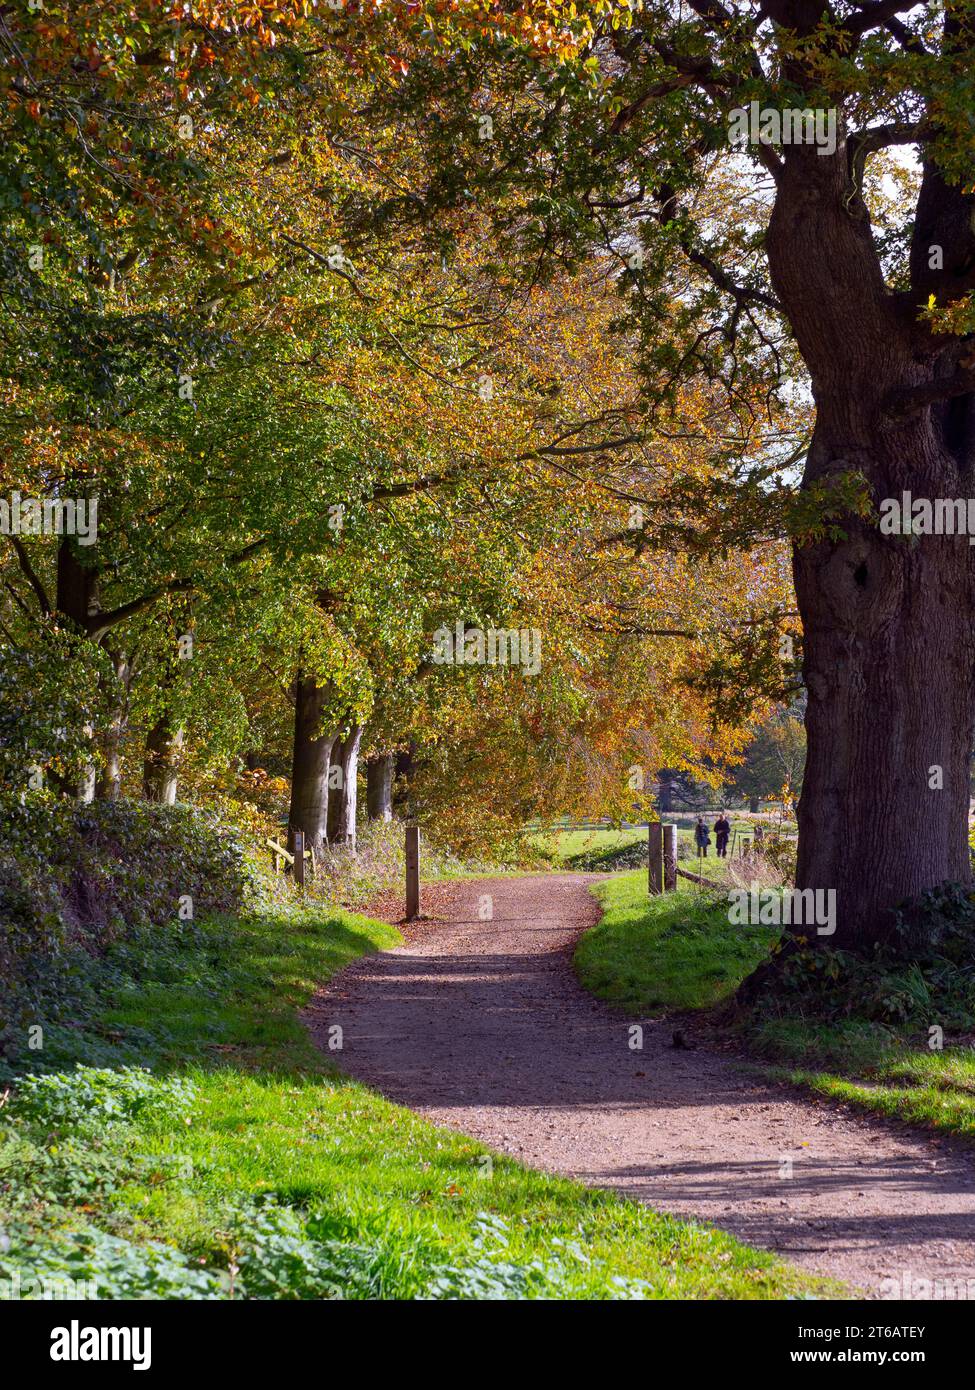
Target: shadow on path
column 484, row 1027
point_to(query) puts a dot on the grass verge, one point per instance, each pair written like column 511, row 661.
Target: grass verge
column 675, row 951
column 679, row 952
column 243, row 1164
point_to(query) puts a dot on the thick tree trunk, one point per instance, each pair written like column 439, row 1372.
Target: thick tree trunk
column 888, row 652
column 109, row 782
column 401, row 781
column 76, row 599
column 753, row 804
column 379, row 786
column 77, row 587
column 310, row 765
column 888, row 663
column 342, row 806
column 160, row 774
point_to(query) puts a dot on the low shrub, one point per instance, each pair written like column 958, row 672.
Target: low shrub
column 89, row 1263
column 74, row 878
column 923, row 973
column 98, row 1096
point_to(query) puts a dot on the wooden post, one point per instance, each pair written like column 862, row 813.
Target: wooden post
column 299, row 865
column 655, row 855
column 412, row 872
column 670, row 858
column 279, row 854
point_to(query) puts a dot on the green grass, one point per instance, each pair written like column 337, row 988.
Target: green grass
column 679, row 952
column 279, row 1177
column 676, row 951
column 602, row 849
column 888, row 1071
column 572, row 849
column 941, row 1101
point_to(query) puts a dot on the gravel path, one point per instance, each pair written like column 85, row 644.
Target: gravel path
column 483, row 1027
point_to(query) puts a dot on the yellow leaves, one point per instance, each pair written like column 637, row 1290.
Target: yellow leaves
column 956, row 318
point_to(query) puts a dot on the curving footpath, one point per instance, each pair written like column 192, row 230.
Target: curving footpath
column 482, row 1026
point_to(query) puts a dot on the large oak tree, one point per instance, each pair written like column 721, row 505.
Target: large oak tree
column 847, row 262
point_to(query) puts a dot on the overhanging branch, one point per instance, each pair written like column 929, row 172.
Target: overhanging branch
column 908, row 400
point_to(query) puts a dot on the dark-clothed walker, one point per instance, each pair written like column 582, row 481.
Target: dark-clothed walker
column 722, row 829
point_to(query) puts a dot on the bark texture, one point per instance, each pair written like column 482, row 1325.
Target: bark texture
column 160, row 773
column 108, row 785
column 76, row 599
column 310, row 765
column 379, row 786
column 343, row 799
column 888, row 651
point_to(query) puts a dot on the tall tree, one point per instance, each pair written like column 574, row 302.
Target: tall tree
column 752, row 263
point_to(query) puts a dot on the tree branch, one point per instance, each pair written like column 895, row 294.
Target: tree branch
column 908, row 41
column 881, row 137
column 24, row 561
column 875, row 14
column 907, row 400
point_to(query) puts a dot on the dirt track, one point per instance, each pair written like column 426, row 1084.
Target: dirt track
column 482, row 1026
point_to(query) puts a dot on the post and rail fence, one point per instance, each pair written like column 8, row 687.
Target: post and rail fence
column 662, row 864
column 296, row 861
column 282, row 857
column 662, row 859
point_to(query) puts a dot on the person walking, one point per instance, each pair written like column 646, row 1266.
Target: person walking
column 701, row 837
column 722, row 829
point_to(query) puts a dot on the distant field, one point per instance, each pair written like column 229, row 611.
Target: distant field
column 604, row 848
column 567, row 845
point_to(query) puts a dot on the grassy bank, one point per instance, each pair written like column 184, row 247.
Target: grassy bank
column 680, row 952
column 244, row 1164
column 589, row 850
column 674, row 951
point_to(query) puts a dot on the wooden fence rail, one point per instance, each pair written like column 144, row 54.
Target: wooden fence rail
column 278, row 852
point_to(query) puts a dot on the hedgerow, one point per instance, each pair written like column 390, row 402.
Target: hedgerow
column 75, row 878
